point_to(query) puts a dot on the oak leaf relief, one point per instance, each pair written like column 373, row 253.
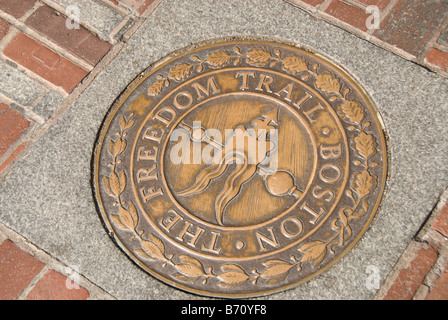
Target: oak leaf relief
column 363, row 183
column 180, row 72
column 258, row 57
column 365, row 145
column 351, row 111
column 327, row 83
column 219, row 58
column 157, row 87
column 294, row 64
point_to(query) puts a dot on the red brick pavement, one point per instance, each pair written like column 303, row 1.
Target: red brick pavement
column 80, row 42
column 34, row 36
column 51, row 66
column 440, row 289
column 410, row 278
column 438, row 58
column 17, row 270
column 414, row 29
column 53, row 286
column 352, row 15
column 16, row 8
column 12, row 126
column 20, row 277
column 422, row 271
column 4, row 28
column 411, row 25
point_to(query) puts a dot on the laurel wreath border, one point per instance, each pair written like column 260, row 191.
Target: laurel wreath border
column 363, row 183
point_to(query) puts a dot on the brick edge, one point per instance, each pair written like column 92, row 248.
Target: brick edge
column 51, row 265
column 429, row 239
column 319, row 9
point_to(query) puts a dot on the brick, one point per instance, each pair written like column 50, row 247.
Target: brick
column 349, row 14
column 53, row 286
column 4, row 28
column 16, row 8
column 145, row 6
column 80, row 42
column 12, row 126
column 381, row 4
column 12, row 156
column 17, row 270
column 313, row 2
column 439, row 291
column 409, row 279
column 412, row 24
column 49, row 65
column 438, row 58
column 441, row 221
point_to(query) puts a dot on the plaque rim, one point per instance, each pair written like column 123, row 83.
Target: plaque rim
column 228, row 40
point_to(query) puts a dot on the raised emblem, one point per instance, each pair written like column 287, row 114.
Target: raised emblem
column 240, row 168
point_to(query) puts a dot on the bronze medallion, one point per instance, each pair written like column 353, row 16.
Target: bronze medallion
column 240, row 168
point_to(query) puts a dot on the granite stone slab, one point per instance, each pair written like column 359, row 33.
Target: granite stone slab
column 95, row 13
column 18, row 86
column 48, row 104
column 47, row 197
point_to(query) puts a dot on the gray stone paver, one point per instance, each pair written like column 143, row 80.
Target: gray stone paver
column 18, row 86
column 47, row 197
column 48, row 104
column 96, row 14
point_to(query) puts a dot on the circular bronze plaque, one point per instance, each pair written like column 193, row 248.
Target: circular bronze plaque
column 240, row 168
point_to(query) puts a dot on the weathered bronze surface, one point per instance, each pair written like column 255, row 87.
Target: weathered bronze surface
column 240, row 168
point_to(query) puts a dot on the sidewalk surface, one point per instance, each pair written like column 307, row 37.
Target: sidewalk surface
column 64, row 62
